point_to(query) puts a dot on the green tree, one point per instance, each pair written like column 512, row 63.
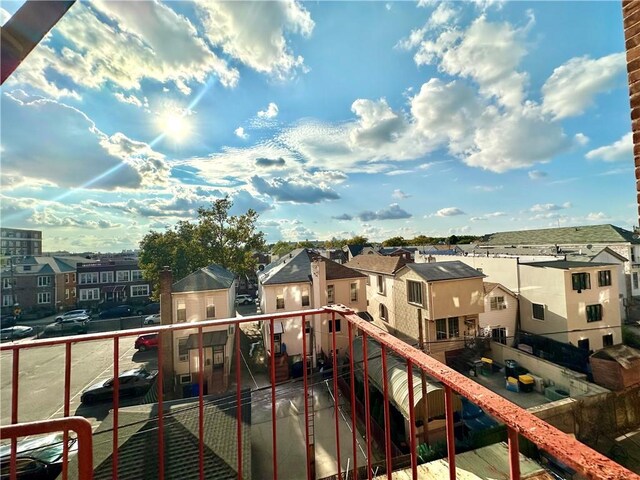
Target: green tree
column 281, row 248
column 395, row 242
column 423, row 240
column 334, row 243
column 358, row 240
column 452, row 240
column 215, row 237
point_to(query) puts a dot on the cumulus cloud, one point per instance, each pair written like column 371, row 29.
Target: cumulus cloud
column 597, row 216
column 619, row 150
column 399, row 194
column 296, row 190
column 132, row 100
column 270, row 162
column 270, row 112
column 572, row 87
column 240, row 133
column 107, row 162
column 392, row 212
column 487, row 216
column 537, row 174
column 343, row 218
column 255, row 33
column 449, row 212
column 548, row 207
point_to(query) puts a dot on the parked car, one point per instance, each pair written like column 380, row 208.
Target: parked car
column 148, row 309
column 74, row 313
column 132, row 383
column 146, row 342
column 15, row 333
column 244, row 299
column 152, row 319
column 7, row 321
column 67, row 326
column 115, row 312
column 37, row 457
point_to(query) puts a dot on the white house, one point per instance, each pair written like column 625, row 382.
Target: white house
column 305, row 280
column 500, row 313
column 206, row 294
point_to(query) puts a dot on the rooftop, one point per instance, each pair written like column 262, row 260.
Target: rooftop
column 438, row 271
column 213, row 277
column 377, row 263
column 567, row 264
column 587, row 234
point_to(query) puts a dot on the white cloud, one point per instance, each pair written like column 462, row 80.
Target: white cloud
column 581, row 139
column 572, row 87
column 537, row 174
column 294, row 190
column 4, row 16
column 255, row 33
column 131, row 99
column 597, row 216
column 399, row 194
column 270, row 112
column 393, row 212
column 487, row 216
column 488, row 188
column 619, row 150
column 548, row 207
column 449, row 212
column 241, row 133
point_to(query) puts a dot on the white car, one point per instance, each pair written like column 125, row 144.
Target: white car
column 152, row 319
column 73, row 314
column 244, row 299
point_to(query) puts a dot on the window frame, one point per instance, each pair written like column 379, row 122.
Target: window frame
column 90, row 278
column 583, row 343
column 44, row 298
column 280, row 301
column 604, row 278
column 109, row 276
column 456, row 322
column 497, row 303
column 305, row 300
column 182, row 345
column 217, row 350
column 137, row 287
column 338, row 325
column 533, row 311
column 353, row 292
column 413, row 288
column 331, row 294
column 123, row 276
column 138, row 275
column 441, row 333
column 380, row 284
column 181, row 311
column 593, row 311
column 580, row 281
column 383, row 312
column 277, row 343
column 607, row 343
column 44, row 281
column 207, row 309
column 89, row 297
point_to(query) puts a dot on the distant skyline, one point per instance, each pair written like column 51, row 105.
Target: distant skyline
column 331, row 119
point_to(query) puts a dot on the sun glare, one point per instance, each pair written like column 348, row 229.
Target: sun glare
column 175, row 125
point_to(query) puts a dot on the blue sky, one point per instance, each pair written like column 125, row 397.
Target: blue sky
column 328, row 118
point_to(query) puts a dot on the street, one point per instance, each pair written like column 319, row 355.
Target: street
column 41, row 378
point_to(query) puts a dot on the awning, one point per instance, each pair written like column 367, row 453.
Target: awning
column 398, row 381
column 365, row 316
column 113, row 289
column 277, row 327
column 209, row 339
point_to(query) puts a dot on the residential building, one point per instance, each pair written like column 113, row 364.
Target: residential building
column 500, row 313
column 380, row 274
column 571, row 302
column 305, row 280
column 16, row 241
column 352, row 251
column 206, row 294
column 111, row 282
column 440, row 302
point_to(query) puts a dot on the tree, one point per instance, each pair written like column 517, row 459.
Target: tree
column 452, row 240
column 358, row 240
column 334, row 243
column 305, row 244
column 281, row 248
column 395, row 242
column 215, row 237
column 423, row 240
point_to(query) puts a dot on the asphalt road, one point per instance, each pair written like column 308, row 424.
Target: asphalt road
column 41, row 378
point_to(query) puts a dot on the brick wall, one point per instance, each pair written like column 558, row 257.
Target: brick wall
column 631, row 15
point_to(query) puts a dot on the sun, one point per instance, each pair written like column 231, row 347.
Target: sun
column 175, row 125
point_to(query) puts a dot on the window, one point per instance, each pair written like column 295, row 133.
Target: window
column 66, row 278
column 497, row 303
column 7, row 300
column 633, row 254
column 381, row 284
column 538, row 311
column 89, row 277
column 441, row 328
column 44, row 281
column 185, row 378
column 73, row 277
column 66, row 294
column 218, row 356
column 44, row 297
column 106, row 277
column 181, row 312
column 583, row 343
column 280, row 301
column 337, row 325
column 499, row 335
column 331, row 294
column 383, row 313
column 136, row 275
column 354, row 292
column 594, row 313
column 581, row 281
column 89, row 294
column 604, row 278
column 414, row 292
column 183, row 353
column 277, row 343
column 6, row 283
column 211, row 309
column 305, row 296
column 139, row 290
column 73, row 292
column 122, row 276
column 454, row 327
column 368, row 280
column 635, row 280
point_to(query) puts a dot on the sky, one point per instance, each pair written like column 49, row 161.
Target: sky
column 330, row 119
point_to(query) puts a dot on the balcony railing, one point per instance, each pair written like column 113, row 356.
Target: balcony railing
column 518, row 422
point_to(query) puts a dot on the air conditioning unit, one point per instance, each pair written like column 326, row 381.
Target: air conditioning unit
column 538, row 383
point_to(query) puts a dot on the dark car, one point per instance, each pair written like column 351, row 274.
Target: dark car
column 149, row 309
column 37, row 458
column 67, row 326
column 115, row 312
column 147, row 342
column 17, row 332
column 133, row 383
column 7, row 321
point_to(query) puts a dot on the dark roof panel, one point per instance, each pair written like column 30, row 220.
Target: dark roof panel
column 213, row 277
column 433, row 272
column 585, row 234
column 377, row 263
column 567, row 264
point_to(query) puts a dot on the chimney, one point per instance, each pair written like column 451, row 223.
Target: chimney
column 166, row 318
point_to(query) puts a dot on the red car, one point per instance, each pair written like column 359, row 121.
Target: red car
column 146, row 342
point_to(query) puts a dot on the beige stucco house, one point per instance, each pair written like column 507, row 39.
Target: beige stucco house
column 206, row 294
column 442, row 299
column 305, row 280
column 571, row 302
column 500, row 313
column 380, row 274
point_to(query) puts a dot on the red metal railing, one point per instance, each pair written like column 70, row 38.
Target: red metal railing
column 518, row 421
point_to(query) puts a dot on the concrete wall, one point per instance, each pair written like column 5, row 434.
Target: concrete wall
column 375, row 298
column 500, row 318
